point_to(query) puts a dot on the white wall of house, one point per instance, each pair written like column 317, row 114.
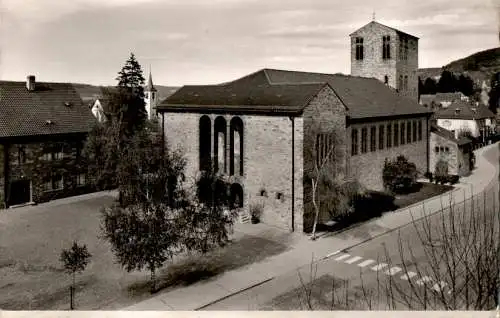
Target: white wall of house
column 458, row 124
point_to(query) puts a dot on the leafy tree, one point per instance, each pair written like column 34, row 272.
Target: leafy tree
column 399, row 175
column 447, row 82
column 75, row 260
column 430, row 86
column 142, row 235
column 466, row 85
column 210, row 217
column 127, row 100
column 494, row 93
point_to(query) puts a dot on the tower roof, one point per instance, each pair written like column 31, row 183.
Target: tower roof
column 150, row 87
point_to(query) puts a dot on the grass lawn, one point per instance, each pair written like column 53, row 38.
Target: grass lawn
column 31, row 240
column 427, row 190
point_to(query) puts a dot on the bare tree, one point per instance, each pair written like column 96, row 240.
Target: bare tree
column 325, row 173
column 451, row 263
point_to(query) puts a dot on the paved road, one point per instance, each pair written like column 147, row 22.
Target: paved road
column 397, row 263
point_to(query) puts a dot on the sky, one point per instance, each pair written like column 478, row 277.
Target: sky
column 212, row 41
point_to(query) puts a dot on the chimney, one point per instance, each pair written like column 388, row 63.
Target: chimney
column 30, row 82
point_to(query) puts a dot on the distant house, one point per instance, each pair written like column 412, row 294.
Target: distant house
column 442, row 99
column 463, row 116
column 456, row 152
column 42, row 130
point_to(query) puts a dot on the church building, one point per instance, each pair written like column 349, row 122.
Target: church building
column 258, row 130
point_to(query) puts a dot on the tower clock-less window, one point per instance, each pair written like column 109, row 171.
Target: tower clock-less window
column 386, row 47
column 359, row 48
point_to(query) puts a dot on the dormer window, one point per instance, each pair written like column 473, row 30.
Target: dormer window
column 386, row 47
column 49, row 122
column 359, row 48
column 67, row 104
column 457, row 111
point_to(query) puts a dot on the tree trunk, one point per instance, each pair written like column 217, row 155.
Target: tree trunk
column 72, row 292
column 153, row 281
column 316, row 208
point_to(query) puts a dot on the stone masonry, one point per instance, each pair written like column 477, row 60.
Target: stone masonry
column 267, row 153
column 367, row 167
column 445, row 149
column 373, row 64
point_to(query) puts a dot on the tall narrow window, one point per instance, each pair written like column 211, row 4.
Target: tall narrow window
column 408, row 132
column 205, row 146
column 405, row 49
column 324, row 148
column 220, row 144
column 396, row 134
column 400, row 84
column 405, row 83
column 386, row 47
column 354, row 142
column 419, row 130
column 389, row 135
column 364, row 141
column 386, row 80
column 21, row 155
column 359, row 48
column 381, row 137
column 414, row 127
column 236, row 147
column 402, row 135
column 373, row 138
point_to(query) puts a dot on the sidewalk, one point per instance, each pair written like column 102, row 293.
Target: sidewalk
column 204, row 293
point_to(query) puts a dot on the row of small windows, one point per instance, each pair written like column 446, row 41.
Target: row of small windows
column 219, row 162
column 54, row 153
column 386, row 48
column 56, row 182
column 390, row 135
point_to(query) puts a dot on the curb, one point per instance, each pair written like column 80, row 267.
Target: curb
column 398, row 227
column 235, row 293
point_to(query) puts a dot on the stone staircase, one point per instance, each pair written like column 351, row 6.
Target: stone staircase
column 244, row 217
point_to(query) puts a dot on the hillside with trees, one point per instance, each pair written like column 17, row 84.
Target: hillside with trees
column 88, row 91
column 481, row 69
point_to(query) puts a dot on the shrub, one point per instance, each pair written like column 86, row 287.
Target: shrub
column 441, row 171
column 453, row 179
column 429, row 176
column 256, row 210
column 400, row 175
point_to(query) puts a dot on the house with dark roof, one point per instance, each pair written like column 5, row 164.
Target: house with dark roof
column 42, row 130
column 442, row 99
column 455, row 152
column 266, row 130
column 459, row 116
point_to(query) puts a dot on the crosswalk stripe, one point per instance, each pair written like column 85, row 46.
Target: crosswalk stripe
column 342, row 257
column 423, row 280
column 353, row 260
column 393, row 271
column 379, row 266
column 366, row 263
column 408, row 275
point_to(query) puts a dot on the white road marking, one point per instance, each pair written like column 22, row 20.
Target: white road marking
column 423, row 280
column 332, row 254
column 342, row 257
column 379, row 266
column 366, row 263
column 408, row 276
column 393, row 271
column 439, row 286
column 353, row 260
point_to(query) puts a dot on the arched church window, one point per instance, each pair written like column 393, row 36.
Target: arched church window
column 236, row 146
column 205, row 131
column 220, row 144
